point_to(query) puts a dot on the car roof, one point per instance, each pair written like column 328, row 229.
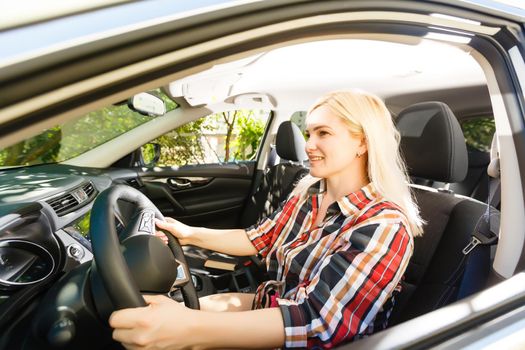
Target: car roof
column 294, row 76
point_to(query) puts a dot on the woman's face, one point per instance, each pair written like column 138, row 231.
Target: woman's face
column 330, row 146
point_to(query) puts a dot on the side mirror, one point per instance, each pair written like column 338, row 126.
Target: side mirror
column 148, row 104
column 149, row 154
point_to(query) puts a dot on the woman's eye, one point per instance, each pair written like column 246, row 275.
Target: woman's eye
column 307, row 135
column 323, row 133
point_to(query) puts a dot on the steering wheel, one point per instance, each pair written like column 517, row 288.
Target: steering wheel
column 138, row 261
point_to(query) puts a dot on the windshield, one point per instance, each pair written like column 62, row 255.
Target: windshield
column 75, row 137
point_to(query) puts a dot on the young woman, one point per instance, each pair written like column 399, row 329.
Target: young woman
column 335, row 251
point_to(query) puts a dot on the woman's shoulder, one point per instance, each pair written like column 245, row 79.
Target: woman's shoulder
column 381, row 210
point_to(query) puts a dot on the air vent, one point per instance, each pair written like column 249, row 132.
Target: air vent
column 63, row 204
column 76, row 198
column 89, row 189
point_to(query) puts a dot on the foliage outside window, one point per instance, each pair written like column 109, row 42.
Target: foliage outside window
column 77, row 136
column 217, row 138
column 478, row 133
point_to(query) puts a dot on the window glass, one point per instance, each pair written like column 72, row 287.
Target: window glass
column 217, row 138
column 77, row 136
column 478, row 132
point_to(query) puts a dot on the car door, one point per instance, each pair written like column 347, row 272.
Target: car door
column 205, row 171
column 502, row 50
column 490, row 318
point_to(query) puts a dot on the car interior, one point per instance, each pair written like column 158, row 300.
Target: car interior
column 64, row 207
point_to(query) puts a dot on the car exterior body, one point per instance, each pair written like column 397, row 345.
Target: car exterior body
column 213, row 57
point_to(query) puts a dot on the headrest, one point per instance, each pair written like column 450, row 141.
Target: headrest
column 432, row 142
column 290, row 143
column 493, row 168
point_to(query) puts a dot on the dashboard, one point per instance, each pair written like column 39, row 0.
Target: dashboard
column 44, row 223
column 44, row 233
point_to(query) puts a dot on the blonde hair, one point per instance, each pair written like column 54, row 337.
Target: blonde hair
column 367, row 116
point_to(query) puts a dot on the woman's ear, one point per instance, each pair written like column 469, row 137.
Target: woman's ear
column 363, row 146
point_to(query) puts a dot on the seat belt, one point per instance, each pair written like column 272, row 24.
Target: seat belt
column 487, row 226
column 478, row 250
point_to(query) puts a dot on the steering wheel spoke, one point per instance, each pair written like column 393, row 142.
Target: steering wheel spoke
column 142, row 222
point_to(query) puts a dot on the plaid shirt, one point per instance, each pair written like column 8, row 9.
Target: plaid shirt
column 334, row 282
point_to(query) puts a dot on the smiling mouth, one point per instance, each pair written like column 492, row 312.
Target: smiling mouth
column 316, row 158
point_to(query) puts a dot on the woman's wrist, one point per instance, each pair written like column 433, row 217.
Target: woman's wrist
column 190, row 236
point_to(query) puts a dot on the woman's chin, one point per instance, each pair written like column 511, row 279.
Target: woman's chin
column 316, row 173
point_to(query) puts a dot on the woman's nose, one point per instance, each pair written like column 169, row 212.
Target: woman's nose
column 310, row 144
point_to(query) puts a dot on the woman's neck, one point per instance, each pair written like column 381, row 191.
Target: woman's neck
column 344, row 184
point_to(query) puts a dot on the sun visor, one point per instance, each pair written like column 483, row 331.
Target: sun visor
column 199, row 90
column 213, row 85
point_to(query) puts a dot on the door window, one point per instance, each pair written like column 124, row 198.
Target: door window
column 218, row 138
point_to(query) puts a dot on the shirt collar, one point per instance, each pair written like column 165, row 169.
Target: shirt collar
column 351, row 203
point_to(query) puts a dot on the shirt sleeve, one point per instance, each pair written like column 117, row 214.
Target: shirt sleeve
column 263, row 233
column 352, row 285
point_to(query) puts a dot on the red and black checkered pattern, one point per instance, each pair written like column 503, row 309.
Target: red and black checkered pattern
column 334, row 282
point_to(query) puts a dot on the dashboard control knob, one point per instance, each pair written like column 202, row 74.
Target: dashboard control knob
column 75, row 251
column 61, row 332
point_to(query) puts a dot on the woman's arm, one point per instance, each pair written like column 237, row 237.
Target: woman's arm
column 227, row 302
column 239, row 242
column 231, row 241
column 166, row 324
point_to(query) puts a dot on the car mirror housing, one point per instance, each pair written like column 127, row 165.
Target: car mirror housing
column 148, row 104
column 149, row 154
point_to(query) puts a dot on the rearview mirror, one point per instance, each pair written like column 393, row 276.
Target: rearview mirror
column 148, row 104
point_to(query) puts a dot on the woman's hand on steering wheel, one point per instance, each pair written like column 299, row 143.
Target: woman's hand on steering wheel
column 179, row 230
column 152, row 327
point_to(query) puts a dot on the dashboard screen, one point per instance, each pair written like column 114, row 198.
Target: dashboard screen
column 81, row 225
column 79, row 229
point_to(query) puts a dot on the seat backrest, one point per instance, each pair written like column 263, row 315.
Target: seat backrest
column 475, row 184
column 433, row 146
column 278, row 180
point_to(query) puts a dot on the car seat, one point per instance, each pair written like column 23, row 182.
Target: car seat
column 475, row 184
column 433, row 146
column 278, row 180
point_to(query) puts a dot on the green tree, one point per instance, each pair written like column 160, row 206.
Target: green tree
column 478, row 133
column 183, row 145
column 229, row 120
column 75, row 137
column 249, row 133
column 196, row 142
column 43, row 148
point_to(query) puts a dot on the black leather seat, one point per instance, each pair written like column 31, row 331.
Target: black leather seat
column 475, row 184
column 433, row 146
column 279, row 180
